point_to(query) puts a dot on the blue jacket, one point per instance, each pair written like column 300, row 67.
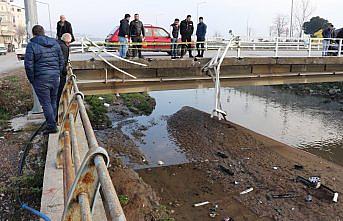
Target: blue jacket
column 43, row 58
column 201, row 30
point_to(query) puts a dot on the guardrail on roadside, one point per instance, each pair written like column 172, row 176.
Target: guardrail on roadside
column 83, row 178
column 307, row 45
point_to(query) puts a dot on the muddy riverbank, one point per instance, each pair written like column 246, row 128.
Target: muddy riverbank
column 252, row 160
column 255, row 161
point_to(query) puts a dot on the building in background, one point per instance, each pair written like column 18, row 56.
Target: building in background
column 12, row 24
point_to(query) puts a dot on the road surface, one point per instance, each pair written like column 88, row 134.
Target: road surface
column 9, row 63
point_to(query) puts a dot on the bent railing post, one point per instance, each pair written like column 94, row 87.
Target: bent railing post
column 83, row 177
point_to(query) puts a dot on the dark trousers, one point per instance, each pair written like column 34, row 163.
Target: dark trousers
column 201, row 46
column 137, row 49
column 186, row 39
column 46, row 90
column 63, row 80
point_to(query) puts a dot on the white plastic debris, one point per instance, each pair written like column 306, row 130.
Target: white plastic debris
column 335, row 197
column 201, row 204
column 101, row 98
column 275, row 168
column 160, row 162
column 106, row 105
column 247, row 191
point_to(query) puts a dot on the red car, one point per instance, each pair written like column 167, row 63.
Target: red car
column 153, row 36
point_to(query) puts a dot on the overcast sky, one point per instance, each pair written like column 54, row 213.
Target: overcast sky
column 97, row 18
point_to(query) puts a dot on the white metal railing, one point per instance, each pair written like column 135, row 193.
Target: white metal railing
column 277, row 47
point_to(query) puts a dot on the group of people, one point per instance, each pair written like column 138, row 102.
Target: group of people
column 186, row 29
column 135, row 31
column 331, row 45
column 46, row 62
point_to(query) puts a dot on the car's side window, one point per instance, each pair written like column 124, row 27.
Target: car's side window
column 148, row 32
column 161, row 33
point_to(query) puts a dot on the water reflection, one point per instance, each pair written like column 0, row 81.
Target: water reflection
column 304, row 122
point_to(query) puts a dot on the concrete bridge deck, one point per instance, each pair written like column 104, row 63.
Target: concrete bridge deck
column 96, row 77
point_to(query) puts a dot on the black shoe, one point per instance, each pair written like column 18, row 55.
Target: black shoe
column 50, row 131
column 173, row 58
column 198, row 56
column 191, row 56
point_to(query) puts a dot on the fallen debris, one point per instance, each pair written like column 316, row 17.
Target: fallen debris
column 298, row 167
column 222, row 155
column 247, row 191
column 226, row 170
column 308, row 199
column 315, row 182
column 201, row 204
column 283, row 196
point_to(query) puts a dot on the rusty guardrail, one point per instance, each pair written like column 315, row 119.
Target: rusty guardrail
column 83, row 178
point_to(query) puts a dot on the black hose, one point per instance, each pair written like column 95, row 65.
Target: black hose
column 26, row 150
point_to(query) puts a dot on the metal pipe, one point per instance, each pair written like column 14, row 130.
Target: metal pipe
column 74, row 144
column 68, row 164
column 115, row 210
column 86, row 214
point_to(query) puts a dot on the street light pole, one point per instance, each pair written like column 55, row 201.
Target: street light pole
column 44, row 3
column 291, row 26
column 198, row 4
column 32, row 20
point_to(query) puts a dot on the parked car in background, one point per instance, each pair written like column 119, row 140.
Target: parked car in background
column 20, row 52
column 157, row 39
column 3, row 50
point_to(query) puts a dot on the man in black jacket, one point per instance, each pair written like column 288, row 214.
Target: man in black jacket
column 64, row 44
column 137, row 34
column 124, row 31
column 63, row 26
column 186, row 31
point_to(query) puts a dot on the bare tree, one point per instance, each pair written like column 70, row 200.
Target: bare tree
column 280, row 25
column 303, row 12
column 20, row 34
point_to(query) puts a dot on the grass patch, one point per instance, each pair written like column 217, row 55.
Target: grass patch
column 97, row 112
column 139, row 103
column 123, row 199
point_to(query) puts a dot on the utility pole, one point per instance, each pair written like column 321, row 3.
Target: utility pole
column 32, row 20
column 198, row 5
column 291, row 25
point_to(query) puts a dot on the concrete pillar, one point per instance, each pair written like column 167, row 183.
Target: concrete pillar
column 32, row 20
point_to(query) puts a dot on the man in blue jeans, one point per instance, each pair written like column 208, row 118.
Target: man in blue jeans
column 175, row 29
column 124, row 31
column 43, row 64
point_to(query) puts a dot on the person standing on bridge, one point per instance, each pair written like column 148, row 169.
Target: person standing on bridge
column 63, row 26
column 43, row 64
column 175, row 29
column 201, row 36
column 137, row 34
column 64, row 44
column 327, row 34
column 124, row 31
column 186, row 31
